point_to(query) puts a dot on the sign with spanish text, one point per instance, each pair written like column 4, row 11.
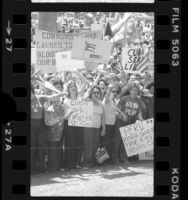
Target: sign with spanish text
column 138, row 137
column 82, row 113
column 131, row 57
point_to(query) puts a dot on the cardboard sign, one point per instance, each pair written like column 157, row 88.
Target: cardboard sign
column 91, row 50
column 65, row 63
column 131, row 57
column 48, row 43
column 82, row 115
column 138, row 137
column 90, row 66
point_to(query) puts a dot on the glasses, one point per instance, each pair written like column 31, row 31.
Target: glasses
column 96, row 93
column 114, row 91
column 72, row 86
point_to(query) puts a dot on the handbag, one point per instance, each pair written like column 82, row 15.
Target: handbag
column 102, row 155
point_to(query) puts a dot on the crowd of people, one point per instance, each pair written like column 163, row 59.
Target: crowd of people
column 119, row 99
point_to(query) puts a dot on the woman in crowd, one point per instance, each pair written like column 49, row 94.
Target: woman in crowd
column 129, row 108
column 103, row 86
column 73, row 134
column 54, row 114
column 39, row 130
column 92, row 135
column 110, row 108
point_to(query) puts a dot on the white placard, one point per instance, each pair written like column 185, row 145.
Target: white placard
column 65, row 63
column 138, row 137
column 131, row 57
column 82, row 115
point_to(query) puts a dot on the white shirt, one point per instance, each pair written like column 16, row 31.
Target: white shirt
column 110, row 110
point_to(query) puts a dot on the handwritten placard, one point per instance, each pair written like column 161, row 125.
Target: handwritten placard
column 131, row 57
column 82, row 113
column 48, row 43
column 138, row 137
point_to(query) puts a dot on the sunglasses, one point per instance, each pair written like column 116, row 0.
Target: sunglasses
column 114, row 91
column 73, row 86
column 96, row 92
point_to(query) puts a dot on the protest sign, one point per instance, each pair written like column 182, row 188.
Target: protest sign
column 90, row 65
column 131, row 57
column 33, row 56
column 82, row 113
column 138, row 137
column 48, row 43
column 65, row 63
column 91, row 50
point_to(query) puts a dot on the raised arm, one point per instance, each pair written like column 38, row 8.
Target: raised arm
column 107, row 96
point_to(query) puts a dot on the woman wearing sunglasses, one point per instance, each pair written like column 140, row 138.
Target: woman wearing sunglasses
column 110, row 109
column 92, row 135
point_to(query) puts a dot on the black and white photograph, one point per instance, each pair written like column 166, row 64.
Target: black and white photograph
column 92, row 103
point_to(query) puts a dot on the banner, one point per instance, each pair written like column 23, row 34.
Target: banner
column 82, row 115
column 131, row 58
column 47, row 43
column 138, row 137
column 65, row 63
column 96, row 51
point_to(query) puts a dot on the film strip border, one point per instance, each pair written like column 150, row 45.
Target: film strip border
column 16, row 94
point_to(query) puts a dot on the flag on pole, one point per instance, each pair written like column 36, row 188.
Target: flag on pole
column 108, row 31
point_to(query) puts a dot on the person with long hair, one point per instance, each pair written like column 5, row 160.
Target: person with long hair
column 92, row 135
column 110, row 109
column 39, row 130
column 73, row 134
column 54, row 113
column 103, row 86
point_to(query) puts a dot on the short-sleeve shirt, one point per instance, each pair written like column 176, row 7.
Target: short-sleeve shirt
column 130, row 107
